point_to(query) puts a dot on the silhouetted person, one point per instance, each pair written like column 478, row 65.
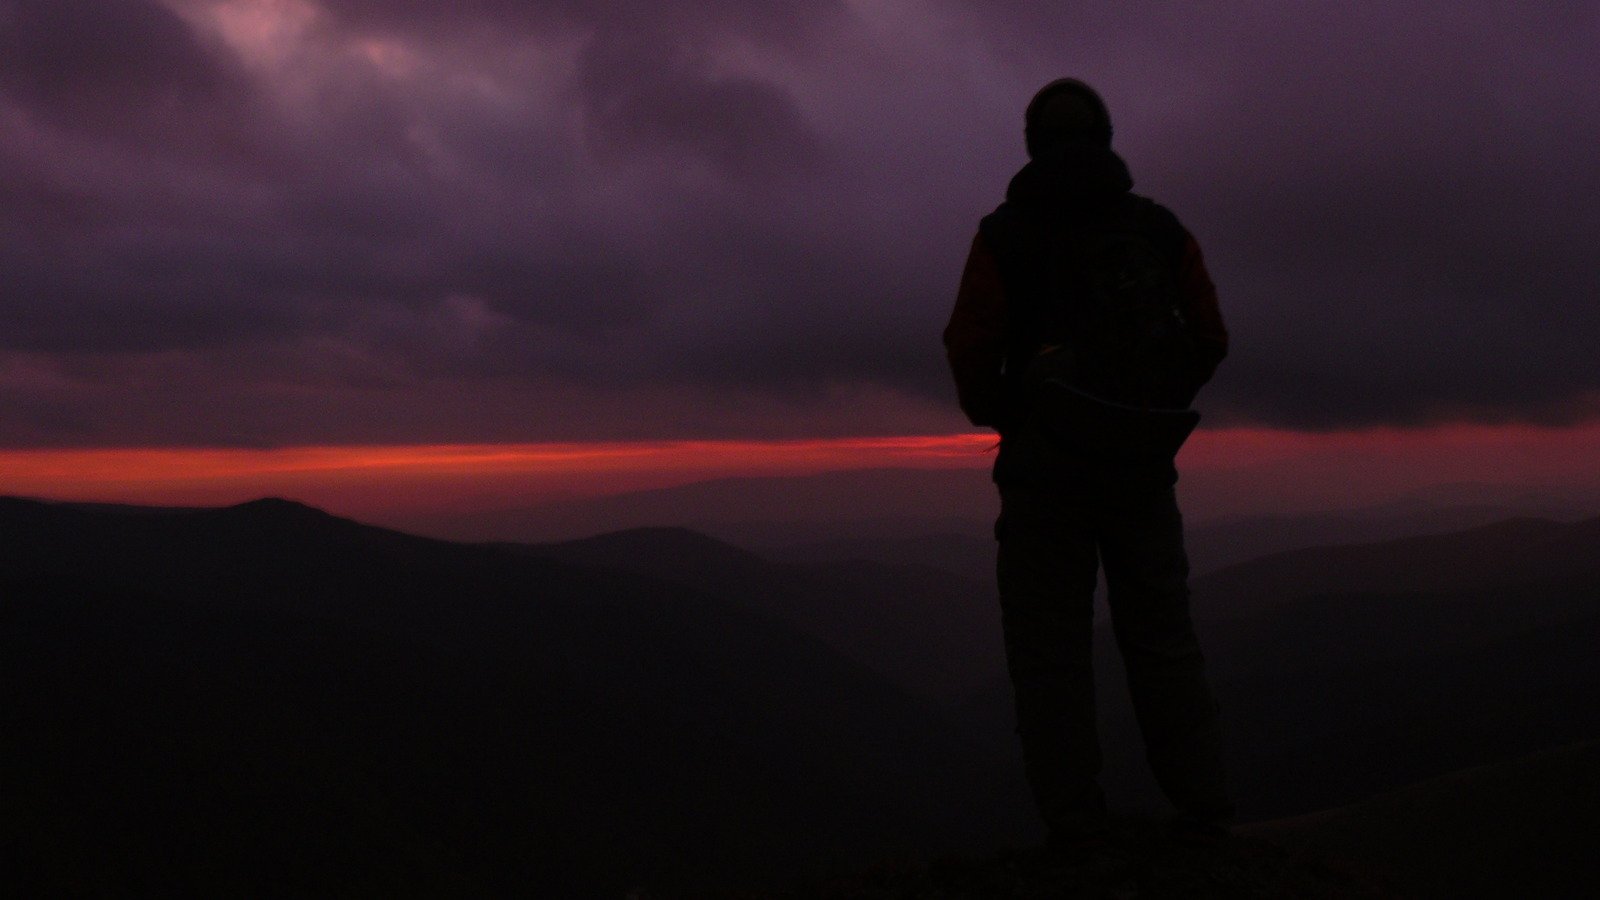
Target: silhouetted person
column 1085, row 324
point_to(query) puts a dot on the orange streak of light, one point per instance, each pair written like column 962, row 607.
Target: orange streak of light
column 1234, row 465
column 189, row 475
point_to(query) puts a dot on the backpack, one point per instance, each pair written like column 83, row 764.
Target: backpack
column 1107, row 369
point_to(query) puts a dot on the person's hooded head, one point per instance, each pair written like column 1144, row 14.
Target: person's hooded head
column 1071, row 165
column 1065, row 111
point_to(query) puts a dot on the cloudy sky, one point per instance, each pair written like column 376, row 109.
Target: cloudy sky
column 262, row 223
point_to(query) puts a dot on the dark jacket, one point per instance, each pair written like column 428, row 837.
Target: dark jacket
column 989, row 334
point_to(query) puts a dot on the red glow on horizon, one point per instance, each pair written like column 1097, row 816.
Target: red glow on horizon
column 1560, row 452
column 1255, row 470
column 1296, row 468
column 417, row 475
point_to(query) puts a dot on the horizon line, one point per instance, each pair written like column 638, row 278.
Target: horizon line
column 364, row 476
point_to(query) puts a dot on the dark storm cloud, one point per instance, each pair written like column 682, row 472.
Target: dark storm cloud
column 641, row 95
column 1405, row 215
column 487, row 219
column 99, row 105
column 360, row 191
column 640, row 77
column 129, row 71
column 774, row 20
column 641, row 74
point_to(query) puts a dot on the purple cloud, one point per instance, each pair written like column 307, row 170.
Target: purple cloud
column 234, row 221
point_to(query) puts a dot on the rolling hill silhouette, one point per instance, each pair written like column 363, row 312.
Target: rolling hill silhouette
column 1335, row 685
column 755, row 512
column 1514, row 551
column 1212, row 546
column 967, row 556
column 210, row 700
column 1396, row 661
column 934, row 633
column 268, row 698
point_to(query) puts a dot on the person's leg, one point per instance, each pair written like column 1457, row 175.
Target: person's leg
column 1147, row 571
column 1046, row 571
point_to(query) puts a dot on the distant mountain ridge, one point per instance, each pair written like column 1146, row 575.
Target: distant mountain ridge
column 892, row 504
column 1353, row 627
column 753, row 512
column 270, row 693
column 1219, row 543
column 930, row 631
column 1384, row 662
column 1507, row 552
column 536, row 726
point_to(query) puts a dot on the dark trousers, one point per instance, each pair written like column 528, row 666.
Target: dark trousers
column 1051, row 544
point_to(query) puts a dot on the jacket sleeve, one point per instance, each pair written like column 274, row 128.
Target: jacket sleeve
column 975, row 339
column 1198, row 304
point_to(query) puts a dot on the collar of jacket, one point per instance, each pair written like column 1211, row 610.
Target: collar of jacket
column 1070, row 176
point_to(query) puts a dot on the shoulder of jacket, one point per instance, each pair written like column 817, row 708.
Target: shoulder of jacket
column 1148, row 209
column 1006, row 216
column 1006, row 229
column 1160, row 223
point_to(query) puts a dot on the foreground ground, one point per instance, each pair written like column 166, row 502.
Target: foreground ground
column 1142, row 860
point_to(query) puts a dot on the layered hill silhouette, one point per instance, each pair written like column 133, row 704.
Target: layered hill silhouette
column 266, row 697
column 1346, row 671
column 970, row 557
column 888, row 515
column 1515, row 551
column 942, row 519
column 755, row 512
column 928, row 630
